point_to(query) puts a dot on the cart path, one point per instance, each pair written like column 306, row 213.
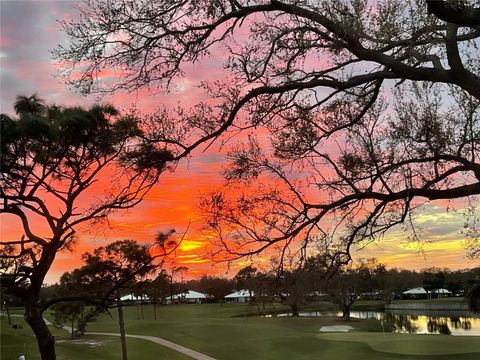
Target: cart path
column 189, row 352
column 182, row 349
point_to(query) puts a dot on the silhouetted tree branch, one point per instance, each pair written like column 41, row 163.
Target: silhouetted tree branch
column 365, row 111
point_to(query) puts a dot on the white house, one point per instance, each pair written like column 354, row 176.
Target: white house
column 442, row 292
column 422, row 293
column 416, row 293
column 240, row 296
column 190, row 297
column 135, row 298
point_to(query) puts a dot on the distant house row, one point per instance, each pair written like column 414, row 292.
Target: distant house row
column 243, row 296
column 192, row 297
column 421, row 293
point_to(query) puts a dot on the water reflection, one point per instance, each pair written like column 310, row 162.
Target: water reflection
column 446, row 325
column 416, row 323
column 401, row 323
column 460, row 323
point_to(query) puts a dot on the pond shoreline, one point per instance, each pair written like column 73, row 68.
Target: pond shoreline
column 417, row 306
column 456, row 323
column 434, row 313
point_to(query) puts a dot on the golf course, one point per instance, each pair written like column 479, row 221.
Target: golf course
column 224, row 333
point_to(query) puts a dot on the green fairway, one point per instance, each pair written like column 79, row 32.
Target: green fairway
column 410, row 344
column 14, row 341
column 211, row 329
column 220, row 332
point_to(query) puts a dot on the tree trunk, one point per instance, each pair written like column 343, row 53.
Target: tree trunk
column 154, row 310
column 45, row 340
column 121, row 324
column 8, row 314
column 72, row 330
column 294, row 308
column 346, row 312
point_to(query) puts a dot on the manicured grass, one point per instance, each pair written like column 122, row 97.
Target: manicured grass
column 410, row 344
column 14, row 341
column 108, row 348
column 369, row 305
column 220, row 332
column 211, row 329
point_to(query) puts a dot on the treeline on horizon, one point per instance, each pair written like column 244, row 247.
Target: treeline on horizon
column 295, row 288
column 387, row 283
column 394, row 279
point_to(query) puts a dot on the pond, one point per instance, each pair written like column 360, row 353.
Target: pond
column 458, row 323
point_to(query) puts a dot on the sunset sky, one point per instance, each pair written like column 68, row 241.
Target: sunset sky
column 29, row 30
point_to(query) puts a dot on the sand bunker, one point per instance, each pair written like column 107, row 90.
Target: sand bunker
column 336, row 328
column 89, row 342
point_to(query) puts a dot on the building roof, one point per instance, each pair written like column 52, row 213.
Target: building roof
column 441, row 291
column 416, row 291
column 133, row 297
column 239, row 294
column 421, row 291
column 190, row 294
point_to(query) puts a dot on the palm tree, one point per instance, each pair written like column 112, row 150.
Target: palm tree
column 29, row 104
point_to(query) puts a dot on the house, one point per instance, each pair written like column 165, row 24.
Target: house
column 421, row 293
column 188, row 297
column 241, row 296
column 416, row 293
column 137, row 299
column 442, row 292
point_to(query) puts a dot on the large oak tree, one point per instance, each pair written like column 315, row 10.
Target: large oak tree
column 365, row 110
